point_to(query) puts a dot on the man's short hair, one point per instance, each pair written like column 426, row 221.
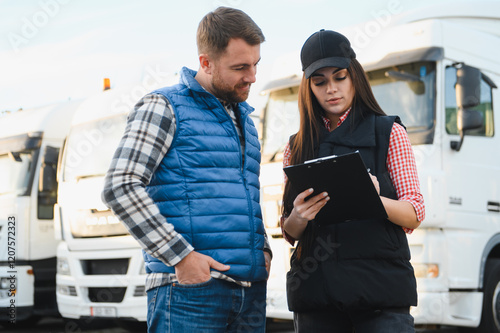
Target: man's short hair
column 218, row 27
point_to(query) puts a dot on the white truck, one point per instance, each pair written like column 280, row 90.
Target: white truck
column 438, row 69
column 100, row 270
column 30, row 141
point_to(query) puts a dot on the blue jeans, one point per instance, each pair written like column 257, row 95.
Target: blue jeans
column 360, row 321
column 212, row 306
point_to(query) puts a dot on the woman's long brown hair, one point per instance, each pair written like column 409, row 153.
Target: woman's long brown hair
column 303, row 145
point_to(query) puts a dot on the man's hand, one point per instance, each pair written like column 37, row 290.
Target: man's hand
column 195, row 268
column 267, row 258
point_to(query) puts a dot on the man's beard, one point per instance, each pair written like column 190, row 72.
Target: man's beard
column 227, row 93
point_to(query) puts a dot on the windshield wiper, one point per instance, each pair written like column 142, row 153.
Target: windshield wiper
column 15, row 156
column 78, row 178
column 403, row 76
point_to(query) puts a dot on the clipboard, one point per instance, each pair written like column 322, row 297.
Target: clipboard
column 347, row 181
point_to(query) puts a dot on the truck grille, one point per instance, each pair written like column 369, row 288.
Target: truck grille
column 106, row 295
column 71, row 290
column 140, row 291
column 107, row 266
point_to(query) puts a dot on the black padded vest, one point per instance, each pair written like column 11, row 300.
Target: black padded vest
column 357, row 264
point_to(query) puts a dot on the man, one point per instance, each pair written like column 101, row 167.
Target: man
column 184, row 180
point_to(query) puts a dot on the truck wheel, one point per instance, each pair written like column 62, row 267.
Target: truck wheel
column 490, row 319
column 132, row 326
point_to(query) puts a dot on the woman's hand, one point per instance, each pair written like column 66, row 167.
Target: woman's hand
column 375, row 183
column 304, row 211
column 267, row 258
column 399, row 212
column 307, row 210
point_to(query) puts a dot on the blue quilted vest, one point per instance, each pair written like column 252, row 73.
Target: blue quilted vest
column 204, row 188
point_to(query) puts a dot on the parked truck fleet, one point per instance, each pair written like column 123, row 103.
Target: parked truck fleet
column 438, row 70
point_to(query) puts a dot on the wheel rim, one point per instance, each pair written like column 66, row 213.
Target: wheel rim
column 496, row 306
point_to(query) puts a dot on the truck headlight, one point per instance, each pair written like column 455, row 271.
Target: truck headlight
column 429, row 271
column 66, row 290
column 63, row 266
column 4, row 283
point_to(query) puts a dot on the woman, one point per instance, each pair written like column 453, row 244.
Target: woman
column 353, row 275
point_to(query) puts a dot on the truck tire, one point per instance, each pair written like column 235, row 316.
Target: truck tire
column 490, row 319
column 490, row 316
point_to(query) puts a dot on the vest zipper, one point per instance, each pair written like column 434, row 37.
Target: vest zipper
column 247, row 192
column 335, row 255
column 243, row 161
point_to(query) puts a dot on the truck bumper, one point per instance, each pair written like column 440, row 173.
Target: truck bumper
column 120, row 296
column 277, row 306
column 19, row 282
column 448, row 308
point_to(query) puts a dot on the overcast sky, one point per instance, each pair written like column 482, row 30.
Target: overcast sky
column 55, row 50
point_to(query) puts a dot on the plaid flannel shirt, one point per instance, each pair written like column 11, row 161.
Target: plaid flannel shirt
column 148, row 136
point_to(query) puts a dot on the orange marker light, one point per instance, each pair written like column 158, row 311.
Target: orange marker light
column 107, row 84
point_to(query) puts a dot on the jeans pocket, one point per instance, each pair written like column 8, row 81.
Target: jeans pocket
column 152, row 295
column 194, row 285
column 156, row 306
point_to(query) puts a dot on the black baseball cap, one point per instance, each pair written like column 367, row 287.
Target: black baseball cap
column 326, row 48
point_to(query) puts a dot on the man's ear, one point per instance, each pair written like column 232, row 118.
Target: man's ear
column 206, row 63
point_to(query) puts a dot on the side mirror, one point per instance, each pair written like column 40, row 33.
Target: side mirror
column 51, row 155
column 48, row 181
column 468, row 94
column 468, row 88
column 469, row 120
column 47, row 178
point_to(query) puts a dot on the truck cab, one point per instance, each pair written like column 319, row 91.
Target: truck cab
column 100, row 270
column 30, row 141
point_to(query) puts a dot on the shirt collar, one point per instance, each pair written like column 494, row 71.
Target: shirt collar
column 227, row 105
column 327, row 121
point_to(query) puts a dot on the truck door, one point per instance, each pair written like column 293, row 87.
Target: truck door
column 471, row 168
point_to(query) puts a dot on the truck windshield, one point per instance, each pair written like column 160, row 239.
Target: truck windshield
column 90, row 147
column 17, row 172
column 408, row 91
column 281, row 119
